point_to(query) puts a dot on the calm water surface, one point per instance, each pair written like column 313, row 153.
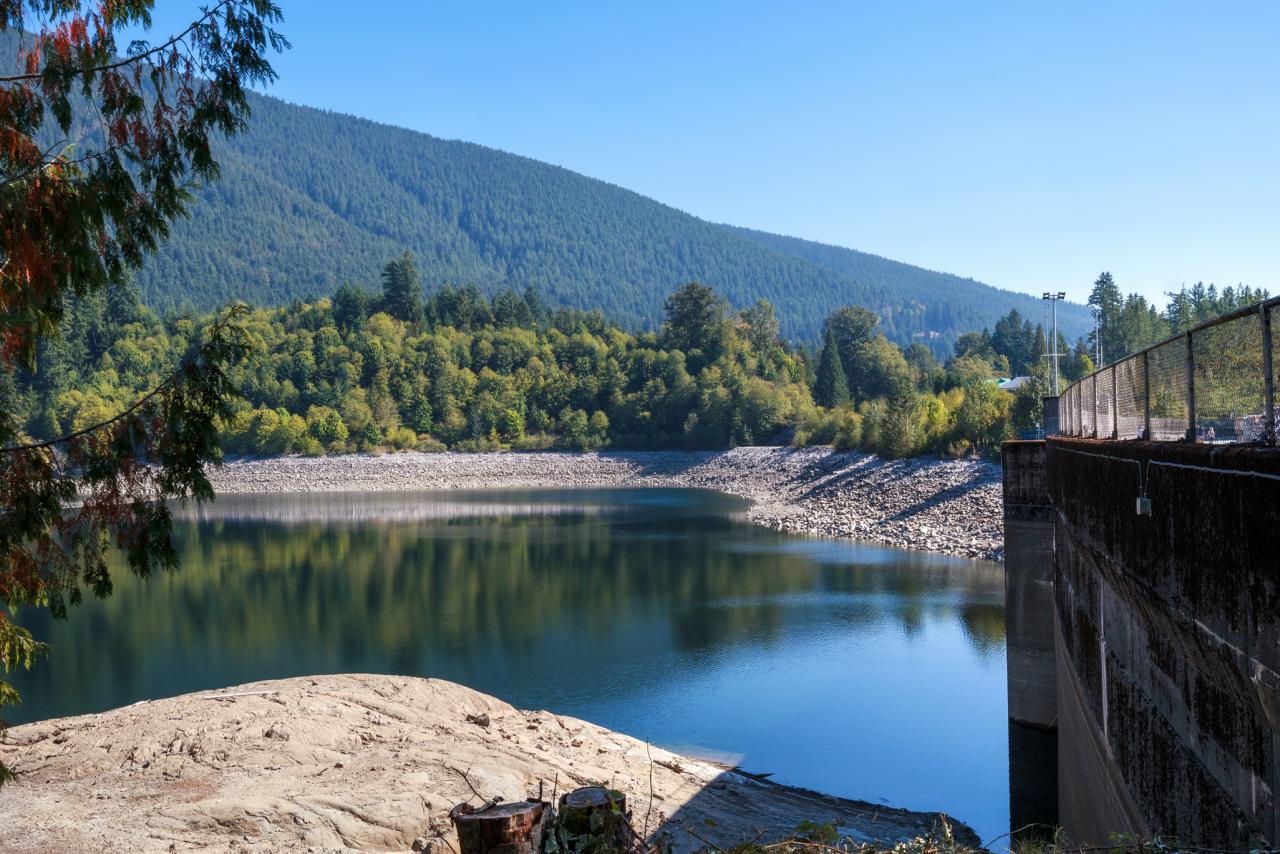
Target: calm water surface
column 862, row 671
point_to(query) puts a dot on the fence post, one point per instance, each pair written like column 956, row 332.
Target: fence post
column 1268, row 390
column 1115, row 404
column 1146, row 395
column 1191, row 391
column 1094, row 386
column 1080, row 409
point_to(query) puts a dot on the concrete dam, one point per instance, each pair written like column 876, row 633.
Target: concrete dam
column 1143, row 613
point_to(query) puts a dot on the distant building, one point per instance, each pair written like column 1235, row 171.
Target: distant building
column 1013, row 384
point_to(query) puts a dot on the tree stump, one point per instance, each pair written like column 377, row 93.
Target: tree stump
column 594, row 819
column 514, row 828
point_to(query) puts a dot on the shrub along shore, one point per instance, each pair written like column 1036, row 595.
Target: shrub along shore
column 939, row 505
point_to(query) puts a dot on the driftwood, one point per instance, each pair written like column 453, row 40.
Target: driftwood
column 514, row 828
column 594, row 819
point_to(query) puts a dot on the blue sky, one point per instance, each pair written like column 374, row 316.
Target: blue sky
column 1029, row 145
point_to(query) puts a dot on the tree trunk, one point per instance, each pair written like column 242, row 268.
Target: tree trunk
column 594, row 815
column 514, row 828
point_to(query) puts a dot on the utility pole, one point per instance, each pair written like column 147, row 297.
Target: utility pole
column 1053, row 353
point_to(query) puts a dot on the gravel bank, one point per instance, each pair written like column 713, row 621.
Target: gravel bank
column 949, row 506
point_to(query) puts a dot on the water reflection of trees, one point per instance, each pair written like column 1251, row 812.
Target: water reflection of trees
column 254, row 600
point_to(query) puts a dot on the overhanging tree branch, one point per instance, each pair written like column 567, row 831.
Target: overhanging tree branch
column 130, row 60
column 72, row 226
column 175, row 377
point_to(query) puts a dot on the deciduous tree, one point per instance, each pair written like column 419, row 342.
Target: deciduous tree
column 760, row 326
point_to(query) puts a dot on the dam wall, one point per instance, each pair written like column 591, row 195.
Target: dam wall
column 1029, row 638
column 1166, row 636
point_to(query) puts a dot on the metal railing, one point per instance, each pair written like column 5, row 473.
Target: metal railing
column 1212, row 383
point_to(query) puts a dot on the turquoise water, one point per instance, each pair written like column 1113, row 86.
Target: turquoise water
column 862, row 671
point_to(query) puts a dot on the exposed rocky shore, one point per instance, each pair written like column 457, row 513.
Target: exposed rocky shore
column 367, row 763
column 950, row 506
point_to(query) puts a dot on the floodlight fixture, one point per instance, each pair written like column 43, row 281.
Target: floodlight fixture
column 1053, row 298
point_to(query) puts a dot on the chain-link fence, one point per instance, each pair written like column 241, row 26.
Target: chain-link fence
column 1212, row 383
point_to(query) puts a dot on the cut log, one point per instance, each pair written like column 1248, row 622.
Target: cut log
column 514, row 828
column 594, row 819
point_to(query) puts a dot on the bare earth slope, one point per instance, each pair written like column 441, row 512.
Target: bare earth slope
column 950, row 506
column 360, row 762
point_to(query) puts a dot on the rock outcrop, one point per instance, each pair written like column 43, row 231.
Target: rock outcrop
column 365, row 763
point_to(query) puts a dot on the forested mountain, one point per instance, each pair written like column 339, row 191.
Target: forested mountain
column 311, row 200
column 923, row 299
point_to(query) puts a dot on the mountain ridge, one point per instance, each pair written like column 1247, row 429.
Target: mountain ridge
column 312, row 199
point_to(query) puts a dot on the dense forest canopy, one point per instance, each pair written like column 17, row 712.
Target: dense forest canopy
column 398, row 366
column 310, row 200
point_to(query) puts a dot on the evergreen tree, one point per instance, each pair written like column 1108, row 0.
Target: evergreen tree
column 1139, row 325
column 1039, row 351
column 925, row 364
column 511, row 309
column 1014, row 338
column 1106, row 301
column 695, row 320
column 124, row 305
column 1080, row 364
column 852, row 327
column 537, row 308
column 830, row 388
column 861, row 357
column 350, row 307
column 77, row 221
column 401, row 291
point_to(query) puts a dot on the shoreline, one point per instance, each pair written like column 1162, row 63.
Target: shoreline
column 926, row 504
column 367, row 762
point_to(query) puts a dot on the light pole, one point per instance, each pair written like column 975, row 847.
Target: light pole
column 1053, row 353
column 1097, row 338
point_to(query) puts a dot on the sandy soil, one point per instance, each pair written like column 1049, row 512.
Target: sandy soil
column 364, row 763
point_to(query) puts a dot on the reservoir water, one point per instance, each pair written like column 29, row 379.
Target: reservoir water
column 862, row 671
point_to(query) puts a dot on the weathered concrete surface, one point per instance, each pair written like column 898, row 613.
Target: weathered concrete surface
column 1028, row 534
column 1029, row 640
column 364, row 763
column 1093, row 797
column 1170, row 637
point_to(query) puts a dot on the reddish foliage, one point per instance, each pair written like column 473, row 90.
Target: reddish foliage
column 74, row 218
